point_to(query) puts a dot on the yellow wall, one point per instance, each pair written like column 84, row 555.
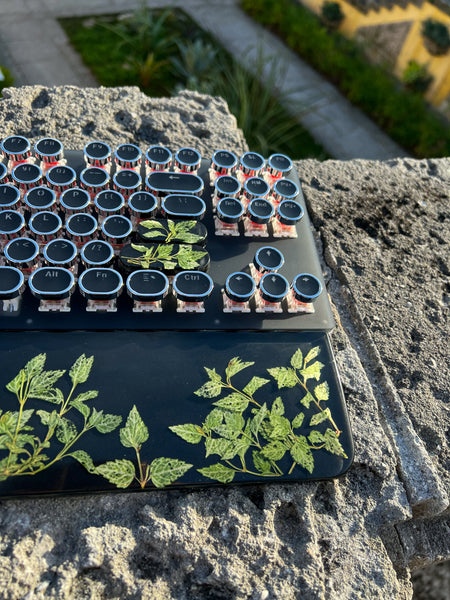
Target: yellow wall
column 413, row 48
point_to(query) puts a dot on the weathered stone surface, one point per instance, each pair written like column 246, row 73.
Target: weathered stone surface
column 313, row 541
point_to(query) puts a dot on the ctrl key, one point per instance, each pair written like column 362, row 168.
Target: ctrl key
column 101, row 287
column 12, row 285
column 191, row 289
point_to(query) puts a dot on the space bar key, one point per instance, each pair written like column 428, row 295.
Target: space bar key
column 163, row 182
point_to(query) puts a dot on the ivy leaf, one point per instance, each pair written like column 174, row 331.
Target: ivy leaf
column 284, row 377
column 315, row 437
column 80, row 369
column 235, row 366
column 258, row 419
column 108, row 423
column 297, row 359
column 213, row 376
column 278, row 407
column 218, row 472
column 164, row 471
column 119, row 472
column 235, row 402
column 306, row 400
column 312, row 354
column 89, row 395
column 332, row 443
column 210, row 389
column 85, row 460
column 254, row 384
column 320, row 417
column 322, row 391
column 81, row 407
column 188, row 432
column 262, row 464
column 274, row 451
column 135, row 432
column 213, row 419
column 280, row 427
column 301, row 453
column 218, row 446
column 298, row 420
column 66, row 431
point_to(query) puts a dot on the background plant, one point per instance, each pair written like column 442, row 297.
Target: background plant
column 6, row 79
column 437, row 33
column 417, row 77
column 332, row 13
column 239, row 423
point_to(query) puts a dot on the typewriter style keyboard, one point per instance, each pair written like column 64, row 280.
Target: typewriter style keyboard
column 121, row 239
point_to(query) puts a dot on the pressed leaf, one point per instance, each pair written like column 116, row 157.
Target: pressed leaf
column 66, row 431
column 298, row 420
column 152, row 234
column 189, row 258
column 41, row 386
column 8, row 422
column 218, row 446
column 320, row 417
column 80, row 369
column 119, row 472
column 135, row 432
column 254, row 384
column 164, row 471
column 241, row 446
column 35, row 366
column 152, row 225
column 322, row 391
column 4, row 439
column 306, row 400
column 274, row 451
column 84, row 459
column 235, row 421
column 15, row 385
column 83, row 397
column 55, row 396
column 50, row 419
column 262, row 464
column 332, row 443
column 312, row 354
column 218, row 472
column 258, row 419
column 297, row 359
column 140, row 248
column 312, row 372
column 81, row 407
column 213, row 376
column 213, row 419
column 280, row 427
column 235, row 366
column 188, row 432
column 284, row 376
column 235, row 402
column 315, row 437
column 210, row 389
column 301, row 453
column 108, row 423
column 277, row 407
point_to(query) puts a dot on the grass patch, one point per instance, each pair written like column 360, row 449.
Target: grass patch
column 163, row 52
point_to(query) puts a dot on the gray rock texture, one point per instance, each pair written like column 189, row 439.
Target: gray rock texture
column 355, row 538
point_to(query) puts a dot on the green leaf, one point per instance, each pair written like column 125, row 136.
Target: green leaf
column 274, row 451
column 332, row 443
column 241, row 446
column 213, row 419
column 320, row 417
column 280, row 427
column 41, row 386
column 119, row 472
column 89, row 395
column 20, row 441
column 210, row 389
column 297, row 359
column 312, row 354
column 298, row 420
column 168, row 265
column 315, row 437
column 218, row 446
column 164, row 471
column 235, row 421
column 277, row 407
column 188, row 432
column 262, row 464
column 55, row 396
column 80, row 369
column 284, row 377
column 8, row 422
column 312, row 372
column 189, row 258
column 153, row 234
column 140, row 248
column 35, row 366
column 15, row 385
column 108, row 423
column 213, row 376
column 254, row 384
column 218, row 472
column 306, row 400
column 84, row 459
column 164, row 251
column 48, row 419
column 322, row 391
column 66, row 431
column 301, row 453
column 152, row 225
column 81, row 407
column 235, row 366
column 4, row 439
column 135, row 432
column 258, row 419
column 235, row 402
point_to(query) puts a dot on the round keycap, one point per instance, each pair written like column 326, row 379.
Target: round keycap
column 74, row 200
column 306, row 287
column 260, row 211
column 40, row 198
column 27, row 175
column 279, row 165
column 224, row 162
column 16, row 147
column 127, row 181
column 12, row 224
column 256, row 187
column 239, row 287
column 192, row 286
column 230, row 210
column 116, row 229
column 60, row 253
column 51, row 283
column 177, row 206
column 268, row 259
column 273, row 287
column 61, row 177
column 9, row 196
column 143, row 205
column 4, row 177
column 94, row 179
column 22, row 253
column 109, row 201
column 45, row 225
column 97, row 253
column 81, row 226
column 227, row 186
column 285, row 189
column 49, row 150
column 289, row 212
column 147, row 285
column 100, row 284
column 158, row 158
column 188, row 160
column 128, row 156
column 97, row 153
column 11, row 283
column 251, row 163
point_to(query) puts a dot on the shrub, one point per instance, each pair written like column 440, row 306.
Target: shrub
column 332, row 13
column 436, row 36
column 416, row 77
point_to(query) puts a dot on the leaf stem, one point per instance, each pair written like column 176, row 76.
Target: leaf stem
column 316, row 402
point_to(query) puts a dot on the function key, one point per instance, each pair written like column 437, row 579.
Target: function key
column 61, row 178
column 158, row 158
column 305, row 290
column 94, row 180
column 279, row 165
column 127, row 181
column 16, row 149
column 273, row 288
column 161, row 183
column 285, row 189
column 289, row 214
column 267, row 260
column 177, row 206
column 147, row 288
column 22, row 253
column 259, row 213
column 81, row 227
column 239, row 290
column 12, row 225
column 117, row 230
column 101, row 287
column 251, row 164
column 49, row 151
column 97, row 253
column 97, row 154
column 45, row 226
column 60, row 253
column 74, row 200
column 224, row 162
column 188, row 160
column 108, row 202
column 256, row 187
column 192, row 288
column 128, row 156
column 9, row 197
column 142, row 205
column 229, row 213
column 12, row 285
column 4, row 178
column 26, row 176
column 53, row 286
column 226, row 186
column 40, row 198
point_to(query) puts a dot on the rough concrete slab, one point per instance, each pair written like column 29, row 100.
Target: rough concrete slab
column 313, row 541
